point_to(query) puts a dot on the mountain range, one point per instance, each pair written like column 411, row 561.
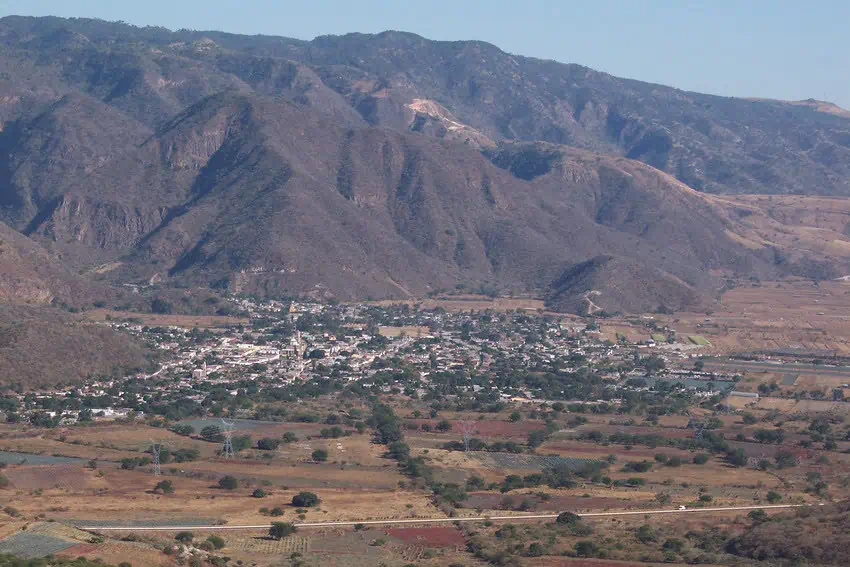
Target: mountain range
column 388, row 165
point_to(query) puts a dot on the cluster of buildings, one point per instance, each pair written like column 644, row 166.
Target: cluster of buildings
column 285, row 344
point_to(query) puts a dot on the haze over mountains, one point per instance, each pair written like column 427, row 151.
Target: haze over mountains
column 389, row 166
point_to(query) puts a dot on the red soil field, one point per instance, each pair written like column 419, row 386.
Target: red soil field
column 79, row 549
column 429, row 537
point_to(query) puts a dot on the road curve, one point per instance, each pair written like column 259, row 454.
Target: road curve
column 437, row 520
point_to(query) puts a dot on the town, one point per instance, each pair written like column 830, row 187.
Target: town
column 288, row 350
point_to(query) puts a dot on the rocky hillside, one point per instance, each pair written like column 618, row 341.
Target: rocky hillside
column 611, row 285
column 31, row 274
column 42, row 346
column 387, row 166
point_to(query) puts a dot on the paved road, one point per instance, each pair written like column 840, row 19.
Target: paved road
column 440, row 520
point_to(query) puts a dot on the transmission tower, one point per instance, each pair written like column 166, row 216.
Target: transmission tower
column 468, row 430
column 156, row 447
column 227, row 430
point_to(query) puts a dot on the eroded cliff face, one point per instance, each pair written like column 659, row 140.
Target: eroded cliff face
column 85, row 230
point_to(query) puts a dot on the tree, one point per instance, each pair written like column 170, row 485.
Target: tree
column 773, row 497
column 320, row 455
column 289, row 437
column 258, row 493
column 164, row 486
column 305, row 500
column 228, row 482
column 536, row 549
column 758, row 516
column 161, row 306
column 785, row 460
column 444, row 425
column 536, row 438
column 280, row 530
column 737, row 458
column 514, row 417
column 184, row 537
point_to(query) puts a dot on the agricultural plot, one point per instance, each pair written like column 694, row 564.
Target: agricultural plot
column 699, row 340
column 267, row 545
column 440, row 536
column 41, row 539
column 65, row 476
column 13, row 458
column 788, row 379
column 528, row 462
column 30, row 545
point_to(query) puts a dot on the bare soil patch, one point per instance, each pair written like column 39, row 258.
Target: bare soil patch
column 429, row 537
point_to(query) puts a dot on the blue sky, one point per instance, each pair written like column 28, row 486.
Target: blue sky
column 760, row 48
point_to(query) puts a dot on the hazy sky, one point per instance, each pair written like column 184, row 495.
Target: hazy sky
column 776, row 49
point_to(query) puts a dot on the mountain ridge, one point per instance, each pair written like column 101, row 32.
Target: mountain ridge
column 387, row 165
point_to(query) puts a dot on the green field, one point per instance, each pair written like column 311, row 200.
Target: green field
column 699, row 340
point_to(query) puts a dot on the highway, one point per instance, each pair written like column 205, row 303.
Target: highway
column 439, row 520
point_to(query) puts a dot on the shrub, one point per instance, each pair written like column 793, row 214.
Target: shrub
column 183, row 429
column 289, row 437
column 276, row 511
column 268, row 444
column 674, row 461
column 773, row 497
column 184, row 537
column 216, row 541
column 586, row 548
column 567, row 518
column 228, row 483
column 258, row 493
column 280, row 530
column 305, row 500
column 164, row 486
column 320, row 455
column 212, row 433
column 701, row 459
column 637, row 466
